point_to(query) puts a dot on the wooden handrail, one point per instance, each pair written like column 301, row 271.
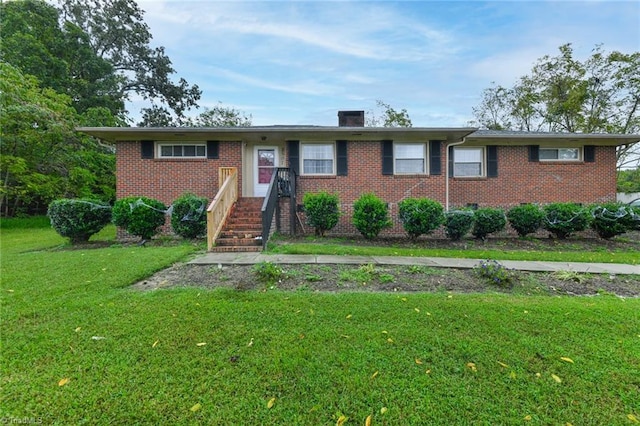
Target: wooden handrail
column 221, row 205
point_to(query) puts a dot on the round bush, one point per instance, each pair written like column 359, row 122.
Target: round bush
column 420, row 216
column 457, row 223
column 321, row 210
column 370, row 215
column 78, row 219
column 525, row 219
column 611, row 219
column 564, row 219
column 487, row 221
column 189, row 216
column 140, row 216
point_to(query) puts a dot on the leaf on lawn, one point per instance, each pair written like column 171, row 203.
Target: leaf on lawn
column 383, row 410
column 512, row 374
column 556, row 378
column 349, row 316
column 201, row 344
column 155, row 343
column 472, row 366
column 417, row 310
column 390, row 340
column 341, row 420
column 502, row 364
column 64, row 381
column 428, row 371
column 368, row 421
column 385, row 332
column 77, row 329
column 250, row 342
column 196, row 407
column 373, row 376
column 97, row 338
column 633, row 418
column 429, row 314
column 538, row 375
column 271, row 402
column 527, row 417
column 565, row 359
column 418, row 361
column 404, row 299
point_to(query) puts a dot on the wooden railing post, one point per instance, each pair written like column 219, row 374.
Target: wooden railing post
column 222, row 203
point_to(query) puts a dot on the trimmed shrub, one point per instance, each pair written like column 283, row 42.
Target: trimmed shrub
column 78, row 219
column 635, row 219
column 420, row 216
column 457, row 223
column 488, row 220
column 370, row 215
column 140, row 216
column 189, row 216
column 611, row 219
column 564, row 219
column 321, row 210
column 525, row 219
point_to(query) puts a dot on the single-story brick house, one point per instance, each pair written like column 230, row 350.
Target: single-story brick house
column 455, row 166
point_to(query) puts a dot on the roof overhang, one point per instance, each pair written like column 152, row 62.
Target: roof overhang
column 567, row 139
column 277, row 133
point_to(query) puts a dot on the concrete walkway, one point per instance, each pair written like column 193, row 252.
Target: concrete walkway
column 437, row 262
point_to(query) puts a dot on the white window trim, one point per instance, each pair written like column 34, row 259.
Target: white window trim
column 334, row 160
column 556, row 160
column 425, row 158
column 159, row 145
column 483, row 162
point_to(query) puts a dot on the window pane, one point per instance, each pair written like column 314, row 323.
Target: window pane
column 266, row 157
column 409, row 151
column 468, row 155
column 317, row 167
column 467, row 169
column 166, row 151
column 548, row 154
column 177, row 150
column 568, row 153
column 317, row 152
column 189, row 150
column 200, row 151
column 409, row 166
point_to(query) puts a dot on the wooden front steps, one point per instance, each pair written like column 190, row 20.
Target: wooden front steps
column 242, row 231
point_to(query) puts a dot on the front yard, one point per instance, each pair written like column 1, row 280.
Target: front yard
column 80, row 345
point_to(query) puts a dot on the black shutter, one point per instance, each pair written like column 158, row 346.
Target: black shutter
column 294, row 156
column 387, row 157
column 534, row 152
column 146, row 149
column 589, row 154
column 450, row 161
column 492, row 161
column 213, row 150
column 341, row 156
column 435, row 167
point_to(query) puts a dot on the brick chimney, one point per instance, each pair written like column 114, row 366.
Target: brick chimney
column 351, row 118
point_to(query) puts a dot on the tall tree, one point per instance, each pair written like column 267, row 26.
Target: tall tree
column 563, row 94
column 218, row 116
column 387, row 116
column 117, row 33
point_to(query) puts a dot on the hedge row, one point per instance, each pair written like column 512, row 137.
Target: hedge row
column 79, row 219
column 421, row 216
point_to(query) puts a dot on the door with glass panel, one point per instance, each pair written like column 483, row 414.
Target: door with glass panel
column 265, row 162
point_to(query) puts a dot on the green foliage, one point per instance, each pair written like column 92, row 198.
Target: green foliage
column 189, row 216
column 629, row 180
column 79, row 219
column 389, row 117
column 611, row 219
column 525, row 219
column 220, row 116
column 487, row 221
column 269, row 273
column 494, row 272
column 420, row 216
column 457, row 223
column 140, row 216
column 565, row 219
column 321, row 210
column 370, row 215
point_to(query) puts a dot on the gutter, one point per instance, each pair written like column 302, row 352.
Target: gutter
column 446, row 165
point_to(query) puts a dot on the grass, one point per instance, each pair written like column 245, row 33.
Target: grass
column 318, row 248
column 79, row 347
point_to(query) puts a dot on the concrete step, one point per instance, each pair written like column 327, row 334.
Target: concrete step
column 240, row 242
column 236, row 249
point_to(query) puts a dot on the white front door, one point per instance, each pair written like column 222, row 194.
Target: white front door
column 265, row 161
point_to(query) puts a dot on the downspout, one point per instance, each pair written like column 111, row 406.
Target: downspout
column 446, row 165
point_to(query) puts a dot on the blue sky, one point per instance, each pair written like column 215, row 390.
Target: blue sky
column 301, row 62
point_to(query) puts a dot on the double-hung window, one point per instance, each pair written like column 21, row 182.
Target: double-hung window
column 468, row 162
column 559, row 154
column 410, row 158
column 182, row 150
column 318, row 158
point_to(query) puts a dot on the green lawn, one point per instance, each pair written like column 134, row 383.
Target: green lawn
column 79, row 347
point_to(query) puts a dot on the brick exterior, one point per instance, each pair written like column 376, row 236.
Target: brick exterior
column 518, row 180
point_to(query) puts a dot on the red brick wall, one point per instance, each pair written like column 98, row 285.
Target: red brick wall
column 167, row 179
